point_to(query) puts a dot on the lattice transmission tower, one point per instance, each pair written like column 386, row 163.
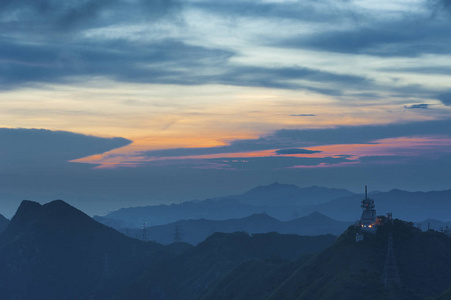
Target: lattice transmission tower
column 390, row 275
column 178, row 234
column 144, row 231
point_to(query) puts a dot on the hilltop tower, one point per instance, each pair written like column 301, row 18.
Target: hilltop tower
column 368, row 218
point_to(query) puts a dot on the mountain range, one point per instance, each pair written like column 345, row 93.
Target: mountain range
column 55, row 251
column 288, row 202
column 278, row 194
column 282, row 201
column 195, row 231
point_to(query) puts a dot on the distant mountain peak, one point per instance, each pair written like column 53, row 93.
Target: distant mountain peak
column 290, row 194
column 315, row 214
column 261, row 216
column 27, row 210
column 28, row 205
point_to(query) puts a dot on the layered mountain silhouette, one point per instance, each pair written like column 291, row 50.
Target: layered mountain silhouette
column 55, row 251
column 288, row 202
column 195, row 231
column 282, row 201
column 278, row 194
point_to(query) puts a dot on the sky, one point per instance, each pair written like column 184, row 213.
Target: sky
column 118, row 103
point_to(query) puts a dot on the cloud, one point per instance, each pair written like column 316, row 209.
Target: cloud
column 47, row 16
column 309, row 11
column 303, row 115
column 288, row 139
column 400, row 38
column 29, row 54
column 274, row 163
column 315, row 80
column 363, row 134
column 38, row 148
column 439, row 5
column 445, row 98
column 165, row 61
column 295, row 151
column 417, row 106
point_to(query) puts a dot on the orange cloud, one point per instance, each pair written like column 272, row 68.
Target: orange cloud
column 132, row 156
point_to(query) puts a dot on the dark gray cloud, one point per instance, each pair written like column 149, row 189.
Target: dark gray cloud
column 166, row 61
column 410, row 35
column 363, row 134
column 423, row 70
column 31, row 148
column 440, row 5
column 417, row 106
column 406, row 38
column 46, row 63
column 295, row 151
column 445, row 98
column 36, row 57
column 303, row 115
column 310, row 11
column 323, row 82
column 47, row 16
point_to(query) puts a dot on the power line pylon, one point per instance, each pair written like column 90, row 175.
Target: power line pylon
column 178, row 234
column 144, row 231
column 390, row 275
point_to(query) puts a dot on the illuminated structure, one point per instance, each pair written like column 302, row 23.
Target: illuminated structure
column 368, row 218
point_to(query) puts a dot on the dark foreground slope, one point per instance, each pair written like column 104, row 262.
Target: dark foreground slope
column 55, row 251
column 349, row 270
column 190, row 274
column 3, row 223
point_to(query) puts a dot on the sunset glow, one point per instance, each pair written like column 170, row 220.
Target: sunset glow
column 238, row 94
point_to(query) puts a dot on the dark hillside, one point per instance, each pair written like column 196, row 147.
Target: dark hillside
column 55, row 251
column 3, row 223
column 349, row 270
column 189, row 274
